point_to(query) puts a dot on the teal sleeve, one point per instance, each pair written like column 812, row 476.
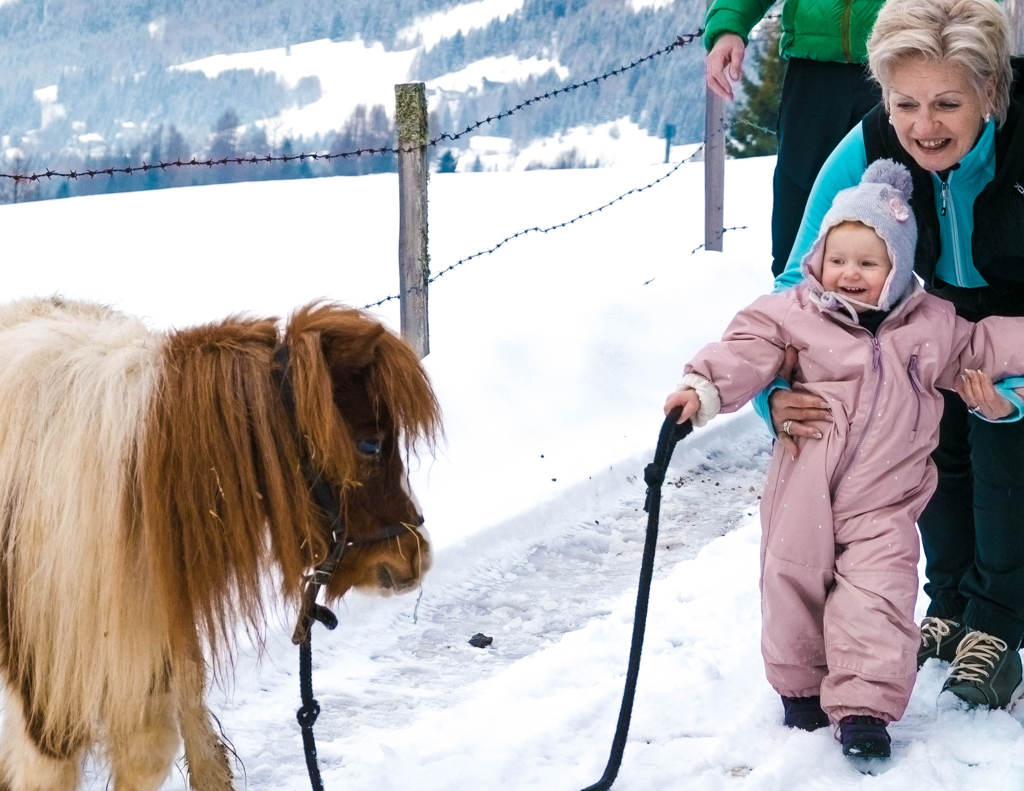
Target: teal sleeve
column 760, row 402
column 1005, row 388
column 733, row 16
column 843, row 168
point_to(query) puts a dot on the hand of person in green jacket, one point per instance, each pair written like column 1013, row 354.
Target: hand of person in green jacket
column 725, row 64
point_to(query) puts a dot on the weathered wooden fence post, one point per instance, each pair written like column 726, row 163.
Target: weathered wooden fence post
column 714, row 169
column 1015, row 14
column 413, row 259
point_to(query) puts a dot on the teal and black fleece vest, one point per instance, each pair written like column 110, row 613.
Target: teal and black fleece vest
column 998, row 242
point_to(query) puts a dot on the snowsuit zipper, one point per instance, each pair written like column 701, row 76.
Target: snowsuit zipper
column 847, row 13
column 915, row 382
column 876, row 365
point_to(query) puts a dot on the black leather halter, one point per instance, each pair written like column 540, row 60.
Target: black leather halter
column 323, row 495
column 337, row 542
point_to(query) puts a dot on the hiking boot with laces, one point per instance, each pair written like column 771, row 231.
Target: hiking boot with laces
column 939, row 639
column 804, row 713
column 985, row 672
column 864, row 737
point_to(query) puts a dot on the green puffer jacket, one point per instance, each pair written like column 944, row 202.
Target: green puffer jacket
column 835, row 30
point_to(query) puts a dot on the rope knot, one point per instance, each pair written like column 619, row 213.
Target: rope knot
column 307, row 715
column 654, row 474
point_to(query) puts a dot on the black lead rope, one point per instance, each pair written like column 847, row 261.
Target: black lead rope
column 654, row 475
column 311, row 611
column 337, row 541
column 308, row 713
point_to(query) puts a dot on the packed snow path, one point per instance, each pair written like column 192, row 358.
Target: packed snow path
column 526, row 588
column 412, row 705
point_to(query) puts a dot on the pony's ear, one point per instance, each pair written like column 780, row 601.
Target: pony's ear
column 309, row 333
column 397, row 380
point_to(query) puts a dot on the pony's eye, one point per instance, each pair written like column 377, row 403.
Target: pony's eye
column 369, row 447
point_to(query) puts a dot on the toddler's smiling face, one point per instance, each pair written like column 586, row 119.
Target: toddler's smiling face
column 856, row 263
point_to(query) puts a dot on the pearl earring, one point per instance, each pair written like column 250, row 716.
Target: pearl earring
column 988, row 117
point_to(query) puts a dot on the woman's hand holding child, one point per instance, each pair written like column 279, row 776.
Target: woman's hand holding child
column 981, row 396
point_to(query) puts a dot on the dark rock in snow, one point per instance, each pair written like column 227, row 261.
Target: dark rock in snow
column 480, row 640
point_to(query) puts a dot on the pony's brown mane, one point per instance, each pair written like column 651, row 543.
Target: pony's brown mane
column 222, row 492
column 222, row 496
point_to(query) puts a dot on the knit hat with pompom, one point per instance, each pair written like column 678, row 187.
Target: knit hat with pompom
column 880, row 201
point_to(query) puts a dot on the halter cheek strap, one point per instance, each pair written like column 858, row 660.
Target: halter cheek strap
column 324, row 497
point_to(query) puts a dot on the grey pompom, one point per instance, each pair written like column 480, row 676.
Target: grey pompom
column 886, row 171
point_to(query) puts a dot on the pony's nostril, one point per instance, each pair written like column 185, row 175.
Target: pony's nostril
column 384, row 577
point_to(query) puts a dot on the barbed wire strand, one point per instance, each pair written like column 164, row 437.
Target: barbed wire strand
column 752, row 125
column 681, row 41
column 537, row 229
column 316, row 156
column 724, row 231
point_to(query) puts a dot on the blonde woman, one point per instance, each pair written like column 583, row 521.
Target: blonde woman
column 950, row 113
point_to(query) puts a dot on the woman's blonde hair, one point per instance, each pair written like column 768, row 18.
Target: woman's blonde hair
column 969, row 33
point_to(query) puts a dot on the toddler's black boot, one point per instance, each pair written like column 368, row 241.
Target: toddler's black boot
column 864, row 737
column 804, row 713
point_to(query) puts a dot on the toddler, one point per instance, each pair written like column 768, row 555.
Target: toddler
column 839, row 546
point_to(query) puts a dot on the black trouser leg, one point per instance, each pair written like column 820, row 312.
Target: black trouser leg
column 821, row 102
column 994, row 584
column 947, row 524
column 973, row 528
column 788, row 205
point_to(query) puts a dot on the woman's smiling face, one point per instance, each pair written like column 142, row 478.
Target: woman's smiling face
column 936, row 112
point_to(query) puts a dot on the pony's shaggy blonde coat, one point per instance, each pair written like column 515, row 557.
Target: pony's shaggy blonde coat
column 148, row 485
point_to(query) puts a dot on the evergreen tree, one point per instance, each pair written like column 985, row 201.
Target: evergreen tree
column 447, row 162
column 338, row 29
column 225, row 137
column 752, row 125
column 153, row 177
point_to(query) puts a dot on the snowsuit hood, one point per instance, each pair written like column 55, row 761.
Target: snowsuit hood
column 881, row 202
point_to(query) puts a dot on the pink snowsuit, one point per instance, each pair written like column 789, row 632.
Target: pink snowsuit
column 839, row 546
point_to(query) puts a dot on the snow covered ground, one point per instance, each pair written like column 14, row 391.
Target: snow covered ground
column 350, row 73
column 429, row 30
column 508, row 68
column 551, row 359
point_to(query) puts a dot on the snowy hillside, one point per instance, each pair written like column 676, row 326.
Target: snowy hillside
column 353, row 73
column 118, row 84
column 551, row 359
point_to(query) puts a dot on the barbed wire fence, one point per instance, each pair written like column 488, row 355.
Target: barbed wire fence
column 446, row 137
column 320, row 156
column 537, row 229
